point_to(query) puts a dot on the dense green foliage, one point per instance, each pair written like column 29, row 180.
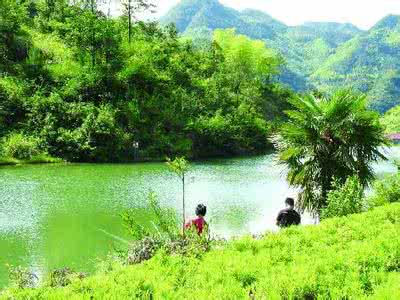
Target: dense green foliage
column 386, row 190
column 318, row 55
column 71, row 79
column 345, row 199
column 354, row 257
column 391, row 120
column 20, row 147
column 327, row 140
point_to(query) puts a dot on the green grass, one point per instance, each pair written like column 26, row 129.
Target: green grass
column 355, row 257
column 39, row 159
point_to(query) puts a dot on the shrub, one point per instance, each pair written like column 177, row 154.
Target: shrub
column 344, row 199
column 164, row 221
column 20, row 146
column 148, row 239
column 163, row 233
column 105, row 137
column 22, row 277
column 386, row 190
column 61, row 277
column 143, row 249
column 242, row 132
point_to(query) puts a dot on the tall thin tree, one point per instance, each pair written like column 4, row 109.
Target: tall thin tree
column 134, row 7
column 180, row 166
column 93, row 9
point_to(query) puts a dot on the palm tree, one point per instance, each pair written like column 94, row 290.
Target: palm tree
column 328, row 139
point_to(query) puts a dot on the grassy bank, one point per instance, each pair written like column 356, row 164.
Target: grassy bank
column 356, row 257
column 40, row 159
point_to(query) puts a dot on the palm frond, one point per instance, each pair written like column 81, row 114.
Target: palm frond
column 327, row 138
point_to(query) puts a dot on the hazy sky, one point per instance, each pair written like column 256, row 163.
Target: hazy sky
column 362, row 13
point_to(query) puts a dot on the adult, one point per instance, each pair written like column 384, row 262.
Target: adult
column 288, row 216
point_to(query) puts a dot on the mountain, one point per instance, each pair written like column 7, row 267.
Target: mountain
column 307, row 46
column 207, row 15
column 304, row 47
column 370, row 62
column 323, row 55
column 193, row 14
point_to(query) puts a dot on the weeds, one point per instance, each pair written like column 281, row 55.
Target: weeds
column 143, row 249
column 353, row 257
column 22, row 278
column 64, row 277
column 164, row 233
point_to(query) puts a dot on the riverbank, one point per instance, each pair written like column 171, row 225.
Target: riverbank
column 41, row 159
column 350, row 257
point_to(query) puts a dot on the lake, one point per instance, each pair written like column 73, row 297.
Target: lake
column 67, row 215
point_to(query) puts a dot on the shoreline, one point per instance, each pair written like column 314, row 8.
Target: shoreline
column 6, row 161
column 337, row 249
column 44, row 159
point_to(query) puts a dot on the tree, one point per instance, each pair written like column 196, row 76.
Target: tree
column 12, row 47
column 180, row 166
column 88, row 94
column 84, row 27
column 132, row 7
column 247, row 63
column 327, row 139
column 93, row 35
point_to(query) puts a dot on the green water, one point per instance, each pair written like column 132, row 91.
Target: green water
column 53, row 216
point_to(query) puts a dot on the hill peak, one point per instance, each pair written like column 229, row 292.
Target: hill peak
column 331, row 25
column 389, row 22
column 202, row 2
column 185, row 11
column 255, row 13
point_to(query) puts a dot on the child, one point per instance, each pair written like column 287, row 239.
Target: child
column 199, row 223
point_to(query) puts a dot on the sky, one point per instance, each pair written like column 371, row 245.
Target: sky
column 362, row 13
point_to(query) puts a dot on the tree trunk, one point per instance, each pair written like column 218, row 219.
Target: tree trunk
column 129, row 21
column 93, row 35
column 183, row 205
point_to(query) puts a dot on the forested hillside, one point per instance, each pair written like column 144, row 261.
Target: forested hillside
column 321, row 56
column 74, row 84
column 391, row 120
column 82, row 86
column 370, row 62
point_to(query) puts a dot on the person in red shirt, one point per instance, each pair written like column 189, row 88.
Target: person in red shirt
column 198, row 223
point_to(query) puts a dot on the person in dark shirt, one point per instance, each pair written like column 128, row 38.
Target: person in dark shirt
column 198, row 223
column 288, row 216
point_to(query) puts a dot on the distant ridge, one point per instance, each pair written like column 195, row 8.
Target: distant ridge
column 191, row 15
column 323, row 55
column 389, row 22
